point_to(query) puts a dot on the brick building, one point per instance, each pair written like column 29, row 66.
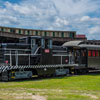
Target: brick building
column 12, row 34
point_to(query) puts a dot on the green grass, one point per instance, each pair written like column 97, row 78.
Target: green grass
column 83, row 87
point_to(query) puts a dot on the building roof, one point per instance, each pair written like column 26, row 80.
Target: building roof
column 38, row 29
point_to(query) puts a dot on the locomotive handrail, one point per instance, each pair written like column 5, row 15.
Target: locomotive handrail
column 5, row 68
column 57, row 46
column 37, row 50
column 60, row 55
column 59, row 51
column 22, row 54
column 15, row 49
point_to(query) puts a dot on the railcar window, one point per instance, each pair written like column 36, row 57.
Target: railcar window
column 93, row 53
column 84, row 53
column 97, row 53
column 89, row 53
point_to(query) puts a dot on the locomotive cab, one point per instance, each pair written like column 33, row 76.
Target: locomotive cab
column 40, row 47
column 37, row 42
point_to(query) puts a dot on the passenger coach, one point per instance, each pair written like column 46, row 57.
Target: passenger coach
column 84, row 53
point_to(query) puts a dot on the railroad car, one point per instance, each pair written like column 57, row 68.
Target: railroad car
column 33, row 55
column 84, row 53
column 37, row 56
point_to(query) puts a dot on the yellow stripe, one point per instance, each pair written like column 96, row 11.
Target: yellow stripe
column 12, row 77
column 13, row 72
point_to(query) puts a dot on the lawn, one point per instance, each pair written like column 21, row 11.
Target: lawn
column 82, row 87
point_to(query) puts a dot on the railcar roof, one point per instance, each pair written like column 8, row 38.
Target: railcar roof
column 80, row 44
column 88, row 46
column 72, row 43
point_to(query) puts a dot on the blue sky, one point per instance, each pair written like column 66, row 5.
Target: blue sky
column 82, row 16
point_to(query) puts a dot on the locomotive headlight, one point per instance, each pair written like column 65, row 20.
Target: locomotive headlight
column 6, row 61
column 45, row 69
column 66, row 60
column 47, row 51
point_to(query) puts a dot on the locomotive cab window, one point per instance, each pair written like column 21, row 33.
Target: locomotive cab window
column 46, row 43
column 33, row 42
column 23, row 40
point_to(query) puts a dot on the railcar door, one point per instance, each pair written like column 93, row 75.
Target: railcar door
column 77, row 56
column 83, row 56
column 80, row 56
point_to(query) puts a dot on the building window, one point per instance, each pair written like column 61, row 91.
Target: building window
column 71, row 35
column 12, row 30
column 48, row 33
column 57, row 34
column 62, row 34
column 45, row 33
column 31, row 32
column 2, row 29
column 36, row 33
column 39, row 33
column 42, row 33
column 53, row 34
column 8, row 30
column 19, row 31
column 67, row 34
column 28, row 32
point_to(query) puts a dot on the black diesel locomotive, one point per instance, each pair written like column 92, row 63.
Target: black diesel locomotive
column 35, row 55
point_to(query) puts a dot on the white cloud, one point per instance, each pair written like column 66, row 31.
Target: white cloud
column 61, row 22
column 85, row 18
column 75, row 7
column 88, row 18
column 94, row 30
column 52, row 14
